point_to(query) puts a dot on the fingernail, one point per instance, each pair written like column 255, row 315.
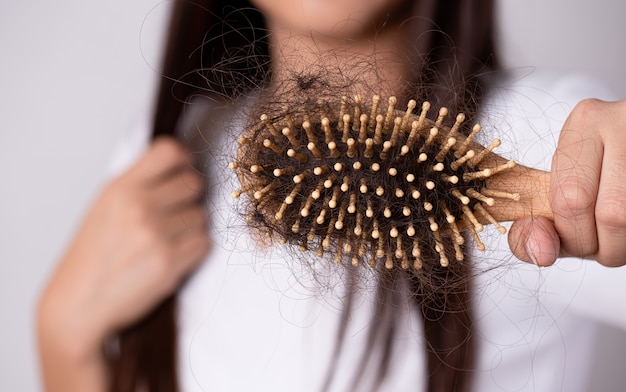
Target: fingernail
column 532, row 249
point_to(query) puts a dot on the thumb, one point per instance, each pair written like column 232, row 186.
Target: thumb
column 534, row 240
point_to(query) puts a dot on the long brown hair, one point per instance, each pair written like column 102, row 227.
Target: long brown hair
column 453, row 43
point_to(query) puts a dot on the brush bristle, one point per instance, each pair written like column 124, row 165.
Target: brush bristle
column 369, row 184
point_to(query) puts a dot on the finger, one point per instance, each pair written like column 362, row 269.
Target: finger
column 164, row 156
column 610, row 208
column 534, row 240
column 576, row 170
column 184, row 221
column 191, row 250
column 179, row 189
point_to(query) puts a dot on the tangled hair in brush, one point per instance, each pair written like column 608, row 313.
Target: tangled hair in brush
column 384, row 186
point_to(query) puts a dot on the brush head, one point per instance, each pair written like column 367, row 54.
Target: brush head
column 369, row 183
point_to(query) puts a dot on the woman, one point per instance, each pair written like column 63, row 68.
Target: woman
column 146, row 232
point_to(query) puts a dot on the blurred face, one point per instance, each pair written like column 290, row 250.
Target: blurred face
column 337, row 18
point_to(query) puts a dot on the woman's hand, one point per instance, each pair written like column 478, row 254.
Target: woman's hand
column 141, row 237
column 588, row 192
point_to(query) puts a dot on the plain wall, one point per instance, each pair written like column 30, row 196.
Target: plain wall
column 74, row 75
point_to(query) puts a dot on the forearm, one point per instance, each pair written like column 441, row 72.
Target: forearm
column 70, row 362
column 62, row 372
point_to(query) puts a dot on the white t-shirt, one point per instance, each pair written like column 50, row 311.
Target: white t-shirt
column 251, row 320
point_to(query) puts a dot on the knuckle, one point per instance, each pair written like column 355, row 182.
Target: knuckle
column 572, row 199
column 611, row 213
column 120, row 200
column 148, row 235
column 115, row 192
column 138, row 213
column 168, row 149
column 587, row 108
column 193, row 182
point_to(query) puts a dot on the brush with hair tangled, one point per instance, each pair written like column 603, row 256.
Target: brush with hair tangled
column 375, row 185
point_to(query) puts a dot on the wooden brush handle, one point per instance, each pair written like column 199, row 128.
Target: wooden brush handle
column 533, row 187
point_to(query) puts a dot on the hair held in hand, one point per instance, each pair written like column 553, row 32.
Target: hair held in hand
column 360, row 181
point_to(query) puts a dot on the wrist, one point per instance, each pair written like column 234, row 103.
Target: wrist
column 70, row 363
column 72, row 337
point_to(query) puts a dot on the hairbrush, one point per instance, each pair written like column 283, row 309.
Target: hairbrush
column 373, row 184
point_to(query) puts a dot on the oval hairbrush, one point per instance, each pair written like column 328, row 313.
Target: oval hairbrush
column 373, row 183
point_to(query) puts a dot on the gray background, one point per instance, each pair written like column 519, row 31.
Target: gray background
column 74, row 75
